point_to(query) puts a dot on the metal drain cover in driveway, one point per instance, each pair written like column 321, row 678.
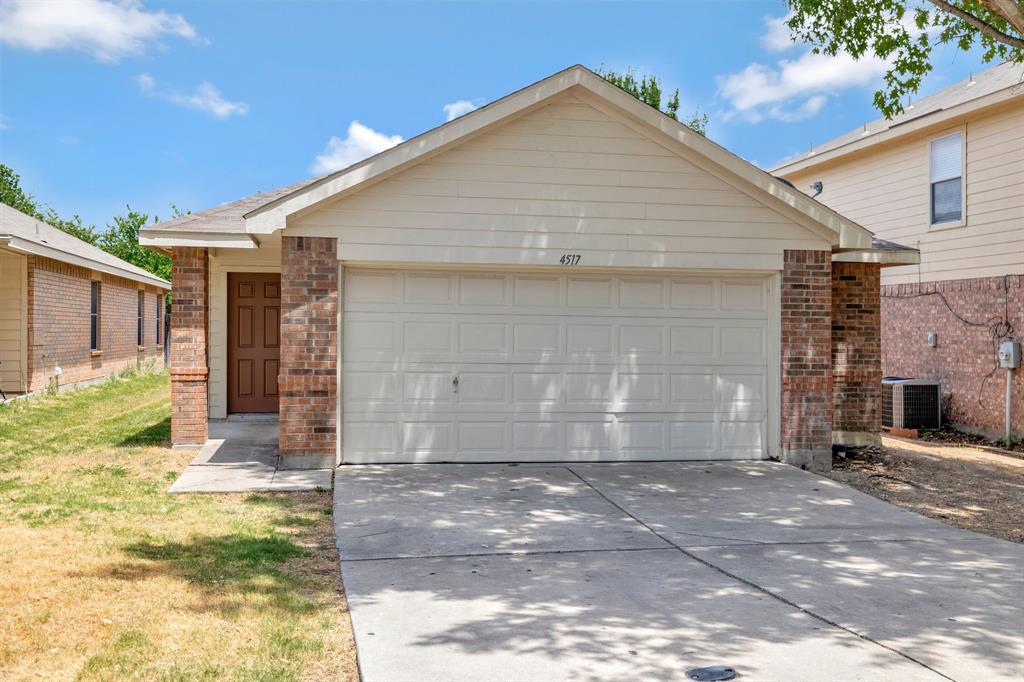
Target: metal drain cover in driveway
column 711, row 673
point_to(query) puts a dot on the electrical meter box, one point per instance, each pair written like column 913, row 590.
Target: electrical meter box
column 1009, row 354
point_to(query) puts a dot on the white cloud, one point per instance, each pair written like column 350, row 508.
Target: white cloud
column 455, row 109
column 106, row 29
column 793, row 89
column 206, row 98
column 776, row 37
column 5, row 122
column 360, row 142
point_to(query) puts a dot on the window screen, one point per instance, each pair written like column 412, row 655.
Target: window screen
column 140, row 328
column 946, row 168
column 159, row 317
column 94, row 317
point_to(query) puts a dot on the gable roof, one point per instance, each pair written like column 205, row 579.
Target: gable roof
column 246, row 219
column 22, row 232
column 1003, row 81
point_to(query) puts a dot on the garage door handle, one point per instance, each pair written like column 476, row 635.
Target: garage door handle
column 455, row 384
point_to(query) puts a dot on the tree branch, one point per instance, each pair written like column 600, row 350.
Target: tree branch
column 1011, row 10
column 981, row 25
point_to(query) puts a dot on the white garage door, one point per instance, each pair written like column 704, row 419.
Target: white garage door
column 482, row 367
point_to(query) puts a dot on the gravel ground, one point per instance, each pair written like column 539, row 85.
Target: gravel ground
column 963, row 486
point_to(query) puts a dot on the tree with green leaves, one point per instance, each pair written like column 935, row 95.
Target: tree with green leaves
column 647, row 89
column 14, row 196
column 122, row 240
column 906, row 32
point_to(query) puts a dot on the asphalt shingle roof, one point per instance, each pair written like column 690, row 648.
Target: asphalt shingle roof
column 1000, row 77
column 17, row 224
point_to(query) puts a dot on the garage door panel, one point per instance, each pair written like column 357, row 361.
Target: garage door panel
column 553, row 367
column 588, row 292
column 645, row 340
column 590, row 437
column 693, row 294
column 538, row 437
column 483, row 438
column 431, row 437
column 744, row 295
column 692, row 437
column 742, row 343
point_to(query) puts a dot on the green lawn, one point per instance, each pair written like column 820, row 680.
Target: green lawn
column 106, row 576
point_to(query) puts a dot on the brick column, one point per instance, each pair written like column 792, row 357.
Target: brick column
column 309, row 352
column 806, row 360
column 190, row 279
column 856, row 354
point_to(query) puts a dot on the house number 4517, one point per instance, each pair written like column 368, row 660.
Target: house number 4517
column 570, row 259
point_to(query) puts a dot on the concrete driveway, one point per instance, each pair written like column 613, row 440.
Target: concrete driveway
column 628, row 571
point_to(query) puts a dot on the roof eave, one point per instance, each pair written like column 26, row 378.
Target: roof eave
column 207, row 240
column 29, row 247
column 274, row 215
column 925, row 121
column 883, row 257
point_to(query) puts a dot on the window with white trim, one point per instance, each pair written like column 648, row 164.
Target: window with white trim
column 946, row 178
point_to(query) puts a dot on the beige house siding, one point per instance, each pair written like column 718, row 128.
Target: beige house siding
column 223, row 261
column 13, row 321
column 569, row 178
column 886, row 189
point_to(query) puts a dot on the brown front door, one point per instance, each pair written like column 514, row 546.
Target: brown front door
column 254, row 341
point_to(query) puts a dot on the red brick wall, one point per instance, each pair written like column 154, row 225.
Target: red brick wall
column 189, row 328
column 59, row 322
column 806, row 359
column 965, row 355
column 856, row 352
column 309, row 351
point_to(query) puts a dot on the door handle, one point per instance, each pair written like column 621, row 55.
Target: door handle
column 455, row 384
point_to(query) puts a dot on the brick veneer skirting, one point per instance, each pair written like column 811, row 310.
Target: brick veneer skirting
column 806, row 314
column 965, row 355
column 189, row 327
column 309, row 351
column 856, row 354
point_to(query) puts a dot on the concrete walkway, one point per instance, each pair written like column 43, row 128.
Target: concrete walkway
column 609, row 572
column 241, row 456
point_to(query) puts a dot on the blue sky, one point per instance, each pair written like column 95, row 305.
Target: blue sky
column 198, row 103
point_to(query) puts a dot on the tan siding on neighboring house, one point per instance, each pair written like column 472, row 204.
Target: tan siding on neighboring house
column 886, row 190
column 567, row 178
column 13, row 321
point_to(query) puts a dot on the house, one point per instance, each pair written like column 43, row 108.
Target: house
column 947, row 177
column 564, row 274
column 70, row 312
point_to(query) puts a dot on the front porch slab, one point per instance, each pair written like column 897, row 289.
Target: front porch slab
column 242, row 456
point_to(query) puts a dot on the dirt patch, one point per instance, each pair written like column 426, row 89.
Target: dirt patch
column 962, row 486
column 950, row 436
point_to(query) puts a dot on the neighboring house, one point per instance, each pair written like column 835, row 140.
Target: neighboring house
column 70, row 312
column 564, row 274
column 946, row 177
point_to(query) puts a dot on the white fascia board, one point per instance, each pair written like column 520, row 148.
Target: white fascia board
column 848, row 233
column 883, row 257
column 213, row 240
column 932, row 119
column 273, row 216
column 29, row 247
